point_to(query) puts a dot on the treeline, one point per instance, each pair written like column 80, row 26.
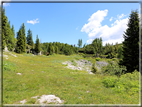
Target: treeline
column 58, row 48
column 98, row 50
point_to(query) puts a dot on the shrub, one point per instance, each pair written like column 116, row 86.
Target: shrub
column 103, row 56
column 126, row 83
column 114, row 59
column 114, row 69
column 84, row 55
column 119, row 88
column 94, row 68
column 110, row 81
column 98, row 59
column 132, row 76
column 68, row 51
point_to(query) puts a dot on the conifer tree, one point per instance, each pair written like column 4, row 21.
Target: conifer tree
column 20, row 42
column 131, row 44
column 11, row 39
column 4, row 29
column 24, row 37
column 29, row 38
column 37, row 45
column 13, row 36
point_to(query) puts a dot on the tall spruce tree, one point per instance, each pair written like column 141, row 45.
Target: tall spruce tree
column 29, row 38
column 131, row 44
column 11, row 39
column 24, row 37
column 37, row 45
column 4, row 29
column 20, row 42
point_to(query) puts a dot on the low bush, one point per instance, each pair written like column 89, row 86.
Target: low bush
column 114, row 59
column 114, row 69
column 132, row 76
column 94, row 68
column 110, row 81
column 103, row 56
column 126, row 83
column 98, row 59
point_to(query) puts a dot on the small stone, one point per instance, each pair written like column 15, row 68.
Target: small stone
column 19, row 74
column 88, row 91
column 23, row 101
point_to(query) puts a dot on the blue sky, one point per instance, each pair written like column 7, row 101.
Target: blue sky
column 68, row 22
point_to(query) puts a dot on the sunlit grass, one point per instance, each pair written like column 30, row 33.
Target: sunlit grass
column 47, row 75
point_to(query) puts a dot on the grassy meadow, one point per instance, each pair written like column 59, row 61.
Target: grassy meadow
column 46, row 75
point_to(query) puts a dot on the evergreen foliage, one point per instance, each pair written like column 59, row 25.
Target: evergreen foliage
column 20, row 42
column 24, row 37
column 8, row 35
column 79, row 43
column 29, row 38
column 131, row 44
column 11, row 37
column 4, row 29
column 37, row 45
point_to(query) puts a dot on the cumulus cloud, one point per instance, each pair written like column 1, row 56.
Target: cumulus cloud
column 34, row 21
column 111, row 34
column 114, row 41
column 94, row 21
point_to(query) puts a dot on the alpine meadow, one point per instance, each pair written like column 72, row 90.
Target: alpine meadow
column 55, row 69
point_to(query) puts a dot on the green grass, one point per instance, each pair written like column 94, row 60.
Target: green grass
column 44, row 75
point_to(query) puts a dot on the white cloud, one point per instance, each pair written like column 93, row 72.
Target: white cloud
column 120, row 16
column 33, row 21
column 94, row 21
column 111, row 19
column 115, row 32
column 110, row 41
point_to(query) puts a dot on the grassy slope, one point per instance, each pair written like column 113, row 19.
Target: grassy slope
column 46, row 75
